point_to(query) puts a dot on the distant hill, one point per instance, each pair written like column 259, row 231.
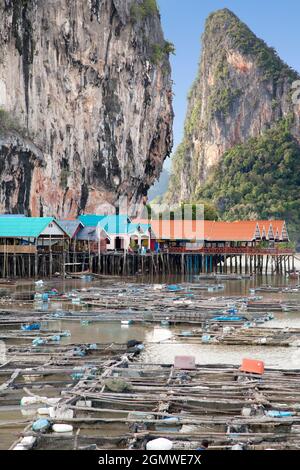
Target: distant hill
column 160, row 187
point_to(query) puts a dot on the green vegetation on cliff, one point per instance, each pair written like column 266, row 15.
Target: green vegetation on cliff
column 259, row 179
column 178, row 161
column 140, row 11
column 160, row 51
column 244, row 40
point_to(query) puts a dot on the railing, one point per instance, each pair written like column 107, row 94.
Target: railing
column 239, row 250
column 18, row 249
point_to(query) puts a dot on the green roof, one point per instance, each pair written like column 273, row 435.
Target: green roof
column 14, row 227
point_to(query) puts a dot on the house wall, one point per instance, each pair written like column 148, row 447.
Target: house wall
column 52, row 229
column 125, row 242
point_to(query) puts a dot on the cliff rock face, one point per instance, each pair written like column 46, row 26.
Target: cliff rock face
column 85, row 103
column 242, row 90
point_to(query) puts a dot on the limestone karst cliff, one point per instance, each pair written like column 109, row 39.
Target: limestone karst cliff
column 85, row 103
column 241, row 141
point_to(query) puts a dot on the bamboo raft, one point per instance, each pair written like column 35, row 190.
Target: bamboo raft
column 178, row 310
column 240, row 336
column 124, row 407
column 115, row 401
column 224, row 277
column 141, row 298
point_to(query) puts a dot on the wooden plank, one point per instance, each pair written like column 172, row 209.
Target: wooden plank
column 15, row 249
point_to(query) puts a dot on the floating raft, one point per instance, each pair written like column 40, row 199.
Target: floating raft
column 243, row 336
column 124, row 407
column 224, row 277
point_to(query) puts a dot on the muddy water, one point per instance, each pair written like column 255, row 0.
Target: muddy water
column 108, row 332
column 161, row 348
column 160, row 344
column 8, row 430
column 288, row 358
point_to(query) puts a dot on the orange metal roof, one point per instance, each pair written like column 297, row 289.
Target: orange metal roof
column 213, row 231
column 245, row 230
column 276, row 225
column 231, row 231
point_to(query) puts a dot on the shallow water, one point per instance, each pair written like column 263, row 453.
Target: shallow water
column 160, row 344
column 274, row 357
column 9, row 432
column 108, row 332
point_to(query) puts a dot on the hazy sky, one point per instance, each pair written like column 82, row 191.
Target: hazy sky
column 275, row 21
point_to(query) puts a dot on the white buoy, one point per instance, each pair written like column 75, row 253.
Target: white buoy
column 28, row 441
column 159, row 444
column 62, row 428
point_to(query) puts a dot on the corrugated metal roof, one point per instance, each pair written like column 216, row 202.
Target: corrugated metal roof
column 14, row 227
column 214, row 231
column 132, row 227
column 115, row 224
column 90, row 234
column 91, row 220
column 244, row 231
column 70, row 226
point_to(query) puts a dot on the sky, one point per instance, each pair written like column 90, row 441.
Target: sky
column 275, row 21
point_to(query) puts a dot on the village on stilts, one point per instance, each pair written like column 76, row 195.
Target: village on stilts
column 115, row 245
column 120, row 333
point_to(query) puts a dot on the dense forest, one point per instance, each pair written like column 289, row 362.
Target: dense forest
column 259, row 179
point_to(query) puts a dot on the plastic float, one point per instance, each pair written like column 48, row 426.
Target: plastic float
column 252, row 366
column 159, row 444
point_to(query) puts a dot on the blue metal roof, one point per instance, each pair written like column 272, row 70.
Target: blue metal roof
column 135, row 227
column 120, row 225
column 91, row 220
column 29, row 227
column 115, row 224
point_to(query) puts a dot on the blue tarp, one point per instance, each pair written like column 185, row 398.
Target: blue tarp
column 174, row 288
column 33, row 326
column 279, row 414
